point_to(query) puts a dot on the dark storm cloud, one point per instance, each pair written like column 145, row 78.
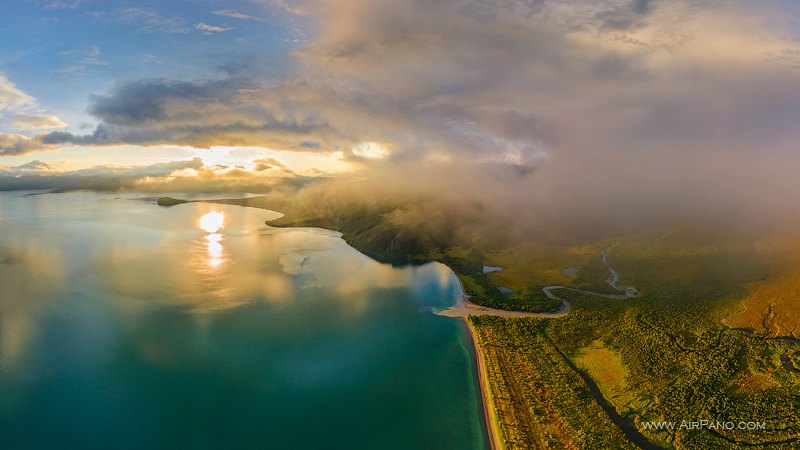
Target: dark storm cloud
column 199, row 114
column 642, row 6
column 144, row 102
column 623, row 17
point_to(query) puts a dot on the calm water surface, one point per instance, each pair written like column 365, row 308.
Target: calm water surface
column 127, row 325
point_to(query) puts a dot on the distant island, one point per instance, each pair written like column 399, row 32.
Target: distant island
column 169, row 201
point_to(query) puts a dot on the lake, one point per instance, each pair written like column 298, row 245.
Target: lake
column 128, row 325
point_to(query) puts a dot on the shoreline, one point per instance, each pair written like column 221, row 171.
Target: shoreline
column 464, row 309
column 487, row 400
column 461, row 310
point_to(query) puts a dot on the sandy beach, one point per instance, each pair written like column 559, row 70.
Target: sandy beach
column 464, row 308
column 492, row 424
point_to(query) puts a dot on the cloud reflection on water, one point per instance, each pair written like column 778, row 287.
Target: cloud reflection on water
column 250, row 262
column 29, row 275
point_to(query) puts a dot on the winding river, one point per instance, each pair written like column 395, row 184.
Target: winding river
column 464, row 307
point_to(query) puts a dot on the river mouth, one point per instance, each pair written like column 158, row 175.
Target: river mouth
column 199, row 325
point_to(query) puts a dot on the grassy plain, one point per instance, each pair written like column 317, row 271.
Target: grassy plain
column 772, row 306
column 530, row 265
column 665, row 356
column 540, row 401
column 605, row 367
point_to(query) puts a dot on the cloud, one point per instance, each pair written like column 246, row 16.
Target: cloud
column 210, row 28
column 17, row 144
column 297, row 7
column 627, row 110
column 35, row 165
column 371, row 150
column 25, row 121
column 148, row 20
column 40, row 175
column 20, row 111
column 604, row 108
column 202, row 114
column 81, row 59
column 238, row 15
column 504, row 81
column 625, row 16
column 172, row 176
column 60, row 4
column 11, row 97
column 267, row 164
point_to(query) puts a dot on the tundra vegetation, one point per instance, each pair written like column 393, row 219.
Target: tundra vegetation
column 662, row 357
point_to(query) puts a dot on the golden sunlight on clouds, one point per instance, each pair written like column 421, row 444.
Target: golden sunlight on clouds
column 302, row 163
column 437, row 157
column 215, row 156
column 371, row 150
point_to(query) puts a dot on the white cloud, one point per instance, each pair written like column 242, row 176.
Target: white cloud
column 60, row 4
column 237, row 15
column 210, row 28
column 24, row 121
column 148, row 20
column 299, row 7
column 80, row 59
column 20, row 111
column 12, row 97
column 371, row 150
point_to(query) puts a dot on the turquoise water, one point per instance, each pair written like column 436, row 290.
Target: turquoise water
column 127, row 325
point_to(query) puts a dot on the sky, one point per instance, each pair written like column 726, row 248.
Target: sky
column 58, row 57
column 613, row 104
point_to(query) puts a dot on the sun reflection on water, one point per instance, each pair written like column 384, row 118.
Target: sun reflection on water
column 212, row 222
column 214, row 249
